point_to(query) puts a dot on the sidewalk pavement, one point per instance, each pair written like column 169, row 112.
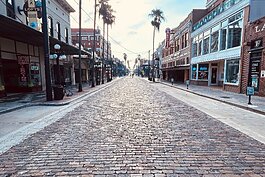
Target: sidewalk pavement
column 17, row 101
column 216, row 93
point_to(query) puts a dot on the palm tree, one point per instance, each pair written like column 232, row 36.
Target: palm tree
column 103, row 10
column 158, row 17
column 109, row 20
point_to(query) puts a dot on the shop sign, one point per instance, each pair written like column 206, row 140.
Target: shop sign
column 23, row 59
column 262, row 73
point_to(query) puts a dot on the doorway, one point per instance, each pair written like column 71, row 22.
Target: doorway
column 214, row 76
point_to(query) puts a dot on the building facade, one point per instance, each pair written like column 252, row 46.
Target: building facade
column 176, row 54
column 217, row 40
column 21, row 43
column 253, row 58
column 102, row 54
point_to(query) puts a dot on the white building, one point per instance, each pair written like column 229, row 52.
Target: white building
column 216, row 44
column 21, row 43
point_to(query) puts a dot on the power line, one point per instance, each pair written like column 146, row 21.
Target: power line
column 117, row 43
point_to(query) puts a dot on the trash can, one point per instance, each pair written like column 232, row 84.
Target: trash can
column 58, row 92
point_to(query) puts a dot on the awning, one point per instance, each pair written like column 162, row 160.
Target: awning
column 15, row 30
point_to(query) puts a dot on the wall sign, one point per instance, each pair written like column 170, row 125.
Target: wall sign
column 250, row 91
column 260, row 28
column 262, row 73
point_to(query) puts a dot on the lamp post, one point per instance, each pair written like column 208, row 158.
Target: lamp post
column 57, row 48
column 79, row 63
column 58, row 88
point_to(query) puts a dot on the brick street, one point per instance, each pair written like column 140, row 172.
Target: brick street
column 133, row 129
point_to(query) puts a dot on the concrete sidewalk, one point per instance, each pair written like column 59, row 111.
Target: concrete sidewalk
column 19, row 101
column 235, row 99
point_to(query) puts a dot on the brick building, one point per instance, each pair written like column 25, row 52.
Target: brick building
column 253, row 58
column 176, row 53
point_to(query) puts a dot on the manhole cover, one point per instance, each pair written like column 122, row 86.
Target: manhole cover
column 227, row 97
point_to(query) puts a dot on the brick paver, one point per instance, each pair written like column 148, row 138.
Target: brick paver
column 132, row 129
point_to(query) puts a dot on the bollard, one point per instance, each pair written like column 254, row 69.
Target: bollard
column 187, row 83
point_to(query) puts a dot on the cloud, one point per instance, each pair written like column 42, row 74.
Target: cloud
column 132, row 27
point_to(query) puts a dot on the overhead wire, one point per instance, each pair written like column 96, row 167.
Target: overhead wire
column 116, row 42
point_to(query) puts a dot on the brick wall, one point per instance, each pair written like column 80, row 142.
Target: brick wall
column 254, row 31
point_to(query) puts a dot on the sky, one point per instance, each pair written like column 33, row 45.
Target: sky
column 132, row 31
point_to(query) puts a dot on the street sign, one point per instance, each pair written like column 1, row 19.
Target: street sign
column 250, row 91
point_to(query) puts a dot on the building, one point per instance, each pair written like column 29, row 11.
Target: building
column 217, row 44
column 176, row 53
column 102, row 48
column 21, row 44
column 253, row 56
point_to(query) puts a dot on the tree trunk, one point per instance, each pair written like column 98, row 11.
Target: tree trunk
column 103, row 56
column 94, row 48
column 153, row 58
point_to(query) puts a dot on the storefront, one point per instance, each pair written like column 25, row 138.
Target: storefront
column 253, row 59
column 217, row 41
column 22, row 58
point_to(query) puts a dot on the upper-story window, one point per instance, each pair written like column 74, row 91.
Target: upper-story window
column 178, row 44
column 183, row 42
column 66, row 35
column 10, row 8
column 206, row 42
column 215, row 39
column 50, row 26
column 186, row 39
column 58, row 30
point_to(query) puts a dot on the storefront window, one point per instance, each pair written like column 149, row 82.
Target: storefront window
column 194, row 72
column 203, row 71
column 232, row 71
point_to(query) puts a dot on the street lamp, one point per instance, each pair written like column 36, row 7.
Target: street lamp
column 58, row 88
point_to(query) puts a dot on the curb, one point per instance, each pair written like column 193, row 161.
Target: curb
column 55, row 104
column 216, row 99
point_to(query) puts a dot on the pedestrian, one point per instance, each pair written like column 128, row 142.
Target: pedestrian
column 172, row 80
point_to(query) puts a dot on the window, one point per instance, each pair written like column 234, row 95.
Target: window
column 10, row 8
column 195, row 47
column 178, row 44
column 234, row 34
column 232, row 71
column 183, row 42
column 223, row 39
column 50, row 26
column 206, row 42
column 58, row 30
column 66, row 35
column 200, row 44
column 214, row 39
column 194, row 71
column 203, row 71
column 186, row 39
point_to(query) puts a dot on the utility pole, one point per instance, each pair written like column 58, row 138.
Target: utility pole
column 46, row 52
column 80, row 70
column 94, row 46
